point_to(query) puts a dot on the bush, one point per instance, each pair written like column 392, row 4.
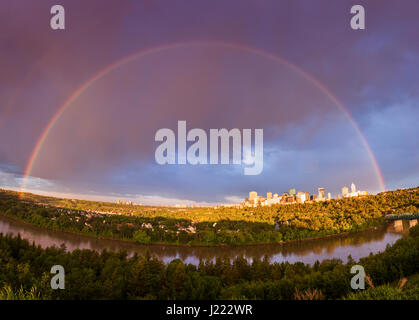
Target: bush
column 141, row 237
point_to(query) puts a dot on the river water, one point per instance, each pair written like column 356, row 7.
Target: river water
column 357, row 245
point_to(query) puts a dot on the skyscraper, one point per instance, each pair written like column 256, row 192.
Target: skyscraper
column 292, row 192
column 301, row 197
column 353, row 188
column 269, row 195
column 253, row 195
column 321, row 194
column 345, row 191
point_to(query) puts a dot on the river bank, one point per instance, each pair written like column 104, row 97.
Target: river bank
column 357, row 244
column 339, row 234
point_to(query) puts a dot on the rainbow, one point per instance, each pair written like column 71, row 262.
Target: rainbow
column 150, row 51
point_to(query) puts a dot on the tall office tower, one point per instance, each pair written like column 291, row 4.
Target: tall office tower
column 345, row 191
column 353, row 188
column 253, row 195
column 292, row 192
column 269, row 195
column 321, row 194
column 307, row 194
column 329, row 196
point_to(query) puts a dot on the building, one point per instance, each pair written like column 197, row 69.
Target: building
column 298, row 197
column 290, row 199
column 321, row 194
column 292, row 192
column 276, row 199
column 269, row 195
column 253, row 195
column 345, row 191
column 353, row 193
column 301, row 197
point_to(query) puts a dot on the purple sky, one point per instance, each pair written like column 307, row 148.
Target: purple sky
column 103, row 144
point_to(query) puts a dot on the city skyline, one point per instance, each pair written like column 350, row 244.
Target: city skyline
column 292, row 196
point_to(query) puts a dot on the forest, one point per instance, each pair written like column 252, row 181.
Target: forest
column 25, row 274
column 208, row 226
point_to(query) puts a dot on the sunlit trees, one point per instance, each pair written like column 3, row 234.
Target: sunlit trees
column 209, row 226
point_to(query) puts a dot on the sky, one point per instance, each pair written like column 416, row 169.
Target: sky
column 330, row 100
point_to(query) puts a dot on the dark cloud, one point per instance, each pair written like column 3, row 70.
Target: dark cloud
column 105, row 140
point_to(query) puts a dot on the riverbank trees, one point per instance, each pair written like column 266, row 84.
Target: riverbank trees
column 208, row 226
column 24, row 273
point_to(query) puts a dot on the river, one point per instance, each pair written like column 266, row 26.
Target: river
column 357, row 245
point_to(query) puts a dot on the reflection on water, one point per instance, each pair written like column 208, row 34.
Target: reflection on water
column 357, row 245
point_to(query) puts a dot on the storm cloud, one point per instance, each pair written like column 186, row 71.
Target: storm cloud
column 225, row 75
